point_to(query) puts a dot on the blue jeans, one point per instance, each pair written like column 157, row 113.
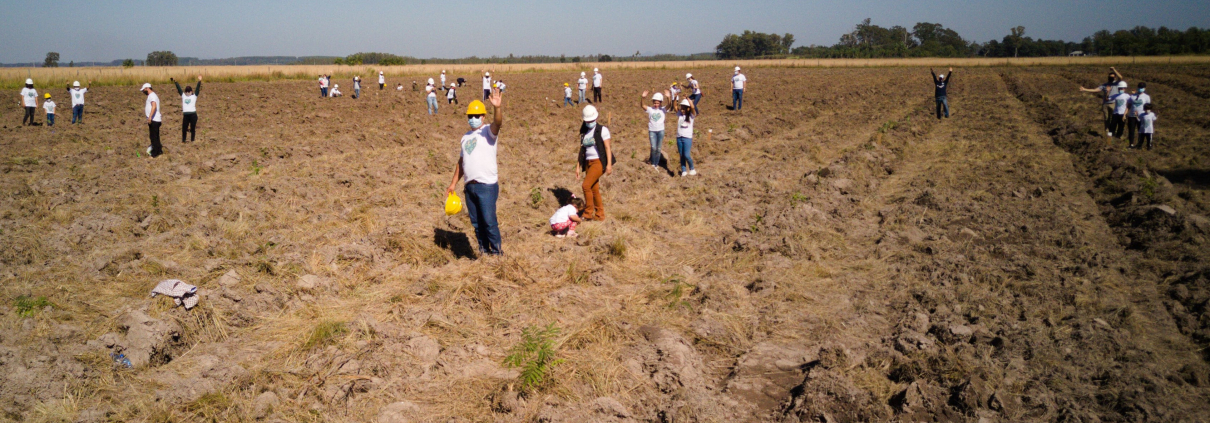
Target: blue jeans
column 323, row 92
column 481, row 206
column 356, row 92
column 581, row 97
column 942, row 103
column 77, row 112
column 737, row 99
column 432, row 105
column 50, row 119
column 696, row 98
column 683, row 145
column 567, row 101
column 657, row 140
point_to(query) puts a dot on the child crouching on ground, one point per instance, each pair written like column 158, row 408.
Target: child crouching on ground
column 564, row 222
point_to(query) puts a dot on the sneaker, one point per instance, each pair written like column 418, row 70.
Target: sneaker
column 693, row 172
column 572, row 234
column 684, row 173
column 560, row 235
column 148, row 151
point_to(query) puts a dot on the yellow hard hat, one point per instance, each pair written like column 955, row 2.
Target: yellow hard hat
column 47, row 95
column 476, row 108
column 565, row 84
column 453, row 205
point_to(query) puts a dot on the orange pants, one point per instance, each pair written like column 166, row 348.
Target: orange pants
column 594, row 207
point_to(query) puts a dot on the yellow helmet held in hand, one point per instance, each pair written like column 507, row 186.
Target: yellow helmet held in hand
column 476, row 108
column 453, row 205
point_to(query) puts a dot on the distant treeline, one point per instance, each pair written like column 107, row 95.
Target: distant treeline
column 934, row 40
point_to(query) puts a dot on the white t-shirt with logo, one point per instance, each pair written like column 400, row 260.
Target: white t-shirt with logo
column 737, row 81
column 1136, row 103
column 153, row 98
column 563, row 214
column 77, row 96
column 591, row 153
column 487, row 82
column 684, row 126
column 582, row 83
column 596, row 80
column 189, row 103
column 479, row 155
column 1147, row 123
column 30, row 96
column 49, row 106
column 655, row 119
column 1120, row 102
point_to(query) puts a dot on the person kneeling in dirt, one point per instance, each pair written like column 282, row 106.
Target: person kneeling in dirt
column 593, row 136
column 477, row 165
column 336, row 91
column 940, row 83
column 563, row 222
column 451, row 95
column 188, row 108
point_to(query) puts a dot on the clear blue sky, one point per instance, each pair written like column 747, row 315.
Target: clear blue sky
column 103, row 30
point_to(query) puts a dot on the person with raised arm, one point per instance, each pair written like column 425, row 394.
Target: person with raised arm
column 1108, row 91
column 188, row 108
column 940, row 84
column 477, row 167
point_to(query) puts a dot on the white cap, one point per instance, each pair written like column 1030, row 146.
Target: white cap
column 29, row 81
column 596, row 70
column 590, row 113
column 688, row 75
column 686, row 103
column 657, row 97
column 737, row 68
column 145, row 86
column 75, row 84
column 1122, row 84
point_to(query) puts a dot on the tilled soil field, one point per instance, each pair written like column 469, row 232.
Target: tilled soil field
column 843, row 256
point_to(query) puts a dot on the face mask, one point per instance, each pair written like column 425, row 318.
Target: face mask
column 1142, row 89
column 592, row 124
column 475, row 122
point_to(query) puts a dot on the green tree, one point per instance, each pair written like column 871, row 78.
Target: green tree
column 52, row 60
column 128, row 63
column 161, row 58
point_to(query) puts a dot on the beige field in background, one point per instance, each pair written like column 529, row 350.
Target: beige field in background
column 14, row 77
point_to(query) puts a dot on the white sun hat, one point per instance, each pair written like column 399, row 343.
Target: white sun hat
column 590, row 113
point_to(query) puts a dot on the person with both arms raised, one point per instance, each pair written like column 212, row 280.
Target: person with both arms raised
column 189, row 107
column 940, row 84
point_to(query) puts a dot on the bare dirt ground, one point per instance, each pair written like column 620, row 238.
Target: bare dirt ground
column 843, row 257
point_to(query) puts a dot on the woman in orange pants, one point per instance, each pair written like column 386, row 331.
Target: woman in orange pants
column 596, row 159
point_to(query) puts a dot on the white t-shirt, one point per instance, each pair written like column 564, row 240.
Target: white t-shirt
column 1120, row 102
column 596, row 80
column 398, row 88
column 567, row 92
column 432, row 91
column 356, row 84
column 77, row 96
column 1147, row 123
column 382, row 79
column 684, row 126
column 563, row 214
column 737, row 81
column 479, row 155
column 591, row 152
column 655, row 119
column 189, row 103
column 500, row 86
column 49, row 106
column 449, row 93
column 335, row 92
column 1137, row 102
column 582, row 83
column 487, row 82
column 153, row 98
column 30, row 96
column 697, row 89
column 443, row 79
column 323, row 82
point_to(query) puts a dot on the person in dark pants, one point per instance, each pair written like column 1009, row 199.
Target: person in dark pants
column 29, row 100
column 940, row 84
column 77, row 101
column 477, row 166
column 154, row 120
column 1108, row 91
column 189, row 107
column 596, row 85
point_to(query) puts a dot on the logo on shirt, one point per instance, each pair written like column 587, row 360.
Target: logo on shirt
column 657, row 116
column 188, row 101
column 468, row 146
column 31, row 95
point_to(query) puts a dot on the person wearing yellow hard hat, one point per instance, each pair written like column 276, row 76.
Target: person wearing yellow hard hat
column 49, row 105
column 477, row 167
column 77, row 101
column 674, row 92
column 566, row 95
column 29, row 100
column 596, row 160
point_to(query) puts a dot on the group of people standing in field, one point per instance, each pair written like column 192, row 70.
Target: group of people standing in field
column 29, row 101
column 153, row 110
column 1126, row 112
